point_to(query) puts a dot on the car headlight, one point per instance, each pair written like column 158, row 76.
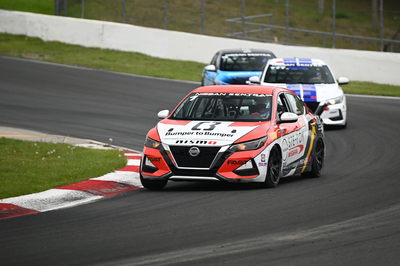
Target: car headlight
column 336, row 100
column 250, row 145
column 151, row 143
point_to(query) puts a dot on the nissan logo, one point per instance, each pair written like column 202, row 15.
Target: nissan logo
column 194, row 151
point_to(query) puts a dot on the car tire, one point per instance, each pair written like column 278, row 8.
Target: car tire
column 153, row 184
column 273, row 169
column 317, row 160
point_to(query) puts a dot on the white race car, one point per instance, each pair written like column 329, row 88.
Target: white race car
column 312, row 80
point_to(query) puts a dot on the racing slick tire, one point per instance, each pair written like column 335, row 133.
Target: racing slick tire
column 317, row 160
column 153, row 184
column 274, row 169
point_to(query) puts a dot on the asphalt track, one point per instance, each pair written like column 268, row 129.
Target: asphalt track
column 349, row 216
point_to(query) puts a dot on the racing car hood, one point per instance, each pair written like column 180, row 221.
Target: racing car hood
column 203, row 133
column 235, row 77
column 313, row 92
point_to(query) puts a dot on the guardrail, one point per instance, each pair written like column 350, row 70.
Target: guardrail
column 247, row 31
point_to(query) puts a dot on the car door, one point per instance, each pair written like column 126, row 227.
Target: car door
column 295, row 135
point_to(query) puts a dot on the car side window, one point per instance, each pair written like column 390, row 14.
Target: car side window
column 295, row 104
column 282, row 105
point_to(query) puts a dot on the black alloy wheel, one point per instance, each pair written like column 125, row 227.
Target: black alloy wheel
column 274, row 169
column 318, row 160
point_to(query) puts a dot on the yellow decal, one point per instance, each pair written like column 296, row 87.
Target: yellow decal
column 311, row 146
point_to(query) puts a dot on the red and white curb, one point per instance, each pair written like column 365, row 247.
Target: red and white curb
column 122, row 180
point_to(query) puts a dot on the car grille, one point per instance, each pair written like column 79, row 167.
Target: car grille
column 203, row 160
column 312, row 105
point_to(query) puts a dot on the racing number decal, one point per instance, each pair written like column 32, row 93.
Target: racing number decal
column 211, row 125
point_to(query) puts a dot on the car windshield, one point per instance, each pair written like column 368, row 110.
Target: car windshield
column 224, row 107
column 309, row 74
column 244, row 61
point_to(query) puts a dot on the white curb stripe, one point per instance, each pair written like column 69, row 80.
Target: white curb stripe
column 52, row 199
column 126, row 177
column 133, row 162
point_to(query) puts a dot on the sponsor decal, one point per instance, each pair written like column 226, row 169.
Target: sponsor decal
column 245, row 54
column 208, row 94
column 295, row 139
column 229, row 94
column 154, row 159
column 179, row 133
column 273, row 135
column 245, row 74
column 295, row 88
column 237, row 162
column 262, row 157
column 297, row 61
column 263, row 160
column 289, row 61
column 196, row 142
column 296, row 150
column 309, row 93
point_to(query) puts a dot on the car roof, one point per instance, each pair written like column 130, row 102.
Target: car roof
column 297, row 61
column 238, row 89
column 245, row 50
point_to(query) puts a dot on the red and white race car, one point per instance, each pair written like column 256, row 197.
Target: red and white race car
column 234, row 133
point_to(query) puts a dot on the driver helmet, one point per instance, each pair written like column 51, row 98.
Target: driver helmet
column 263, row 109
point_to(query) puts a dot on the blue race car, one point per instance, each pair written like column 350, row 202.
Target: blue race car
column 235, row 66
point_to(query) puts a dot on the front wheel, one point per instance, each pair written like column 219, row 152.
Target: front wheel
column 317, row 161
column 274, row 169
column 153, row 184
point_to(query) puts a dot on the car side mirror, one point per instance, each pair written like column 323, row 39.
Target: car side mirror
column 343, row 81
column 254, row 80
column 163, row 114
column 211, row 68
column 288, row 118
column 320, row 108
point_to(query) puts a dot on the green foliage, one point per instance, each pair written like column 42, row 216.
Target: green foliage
column 341, row 15
column 369, row 88
column 28, row 167
column 127, row 62
column 34, row 6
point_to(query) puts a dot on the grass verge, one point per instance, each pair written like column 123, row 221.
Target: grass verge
column 28, row 167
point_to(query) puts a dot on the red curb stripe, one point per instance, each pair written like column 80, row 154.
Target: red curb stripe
column 10, row 210
column 100, row 188
column 130, row 168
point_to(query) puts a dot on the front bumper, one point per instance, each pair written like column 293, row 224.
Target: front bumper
column 226, row 166
column 335, row 114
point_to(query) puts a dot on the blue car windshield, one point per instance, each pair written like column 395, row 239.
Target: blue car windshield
column 244, row 61
column 224, row 107
column 308, row 74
